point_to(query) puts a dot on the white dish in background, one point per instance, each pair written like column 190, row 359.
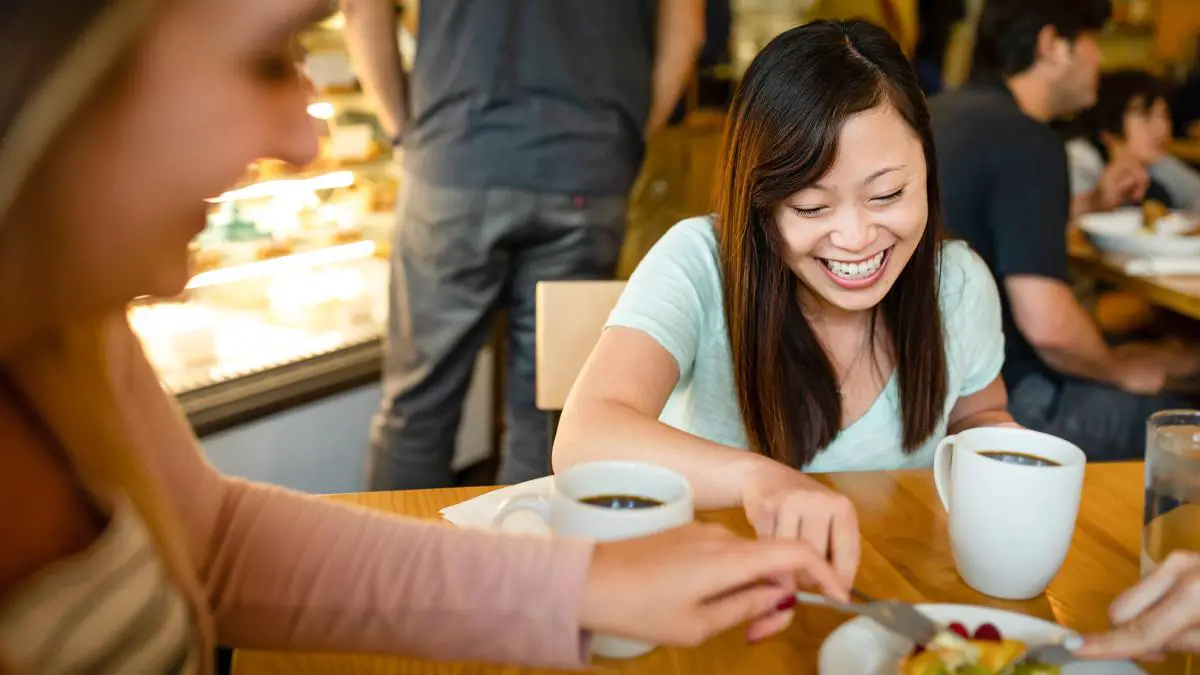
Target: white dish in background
column 1120, row 231
column 862, row 647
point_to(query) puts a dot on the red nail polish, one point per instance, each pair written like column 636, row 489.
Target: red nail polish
column 786, row 604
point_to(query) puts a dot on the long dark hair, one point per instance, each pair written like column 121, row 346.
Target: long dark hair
column 782, row 136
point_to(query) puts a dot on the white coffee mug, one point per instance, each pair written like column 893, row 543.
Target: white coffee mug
column 1011, row 523
column 568, row 516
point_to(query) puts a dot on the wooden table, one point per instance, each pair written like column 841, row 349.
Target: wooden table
column 906, row 555
column 1187, row 149
column 1180, row 294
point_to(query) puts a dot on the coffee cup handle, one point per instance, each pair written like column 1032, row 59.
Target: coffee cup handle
column 537, row 504
column 942, row 458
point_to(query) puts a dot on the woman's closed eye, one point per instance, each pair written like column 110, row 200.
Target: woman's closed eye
column 815, row 211
column 808, row 211
column 891, row 197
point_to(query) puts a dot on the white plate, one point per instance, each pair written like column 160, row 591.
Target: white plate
column 862, row 647
column 1120, row 231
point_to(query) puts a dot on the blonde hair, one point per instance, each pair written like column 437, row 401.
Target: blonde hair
column 66, row 375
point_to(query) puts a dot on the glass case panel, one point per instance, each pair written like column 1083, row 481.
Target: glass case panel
column 292, row 265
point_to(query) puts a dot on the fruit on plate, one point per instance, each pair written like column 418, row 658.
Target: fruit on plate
column 955, row 651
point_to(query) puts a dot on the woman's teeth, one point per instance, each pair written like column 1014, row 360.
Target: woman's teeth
column 855, row 270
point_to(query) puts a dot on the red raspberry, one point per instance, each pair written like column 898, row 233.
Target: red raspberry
column 957, row 627
column 987, row 632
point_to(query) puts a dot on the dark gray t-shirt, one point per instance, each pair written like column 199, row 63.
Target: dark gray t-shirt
column 547, row 95
column 1004, row 189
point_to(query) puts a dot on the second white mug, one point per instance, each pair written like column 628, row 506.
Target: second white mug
column 1012, row 497
column 641, row 499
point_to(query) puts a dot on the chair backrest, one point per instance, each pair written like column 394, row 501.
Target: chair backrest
column 570, row 317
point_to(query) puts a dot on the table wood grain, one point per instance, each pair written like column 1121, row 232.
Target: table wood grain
column 1187, row 149
column 1178, row 293
column 906, row 555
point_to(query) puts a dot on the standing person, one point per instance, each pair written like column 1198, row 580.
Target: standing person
column 125, row 552
column 523, row 126
column 1005, row 190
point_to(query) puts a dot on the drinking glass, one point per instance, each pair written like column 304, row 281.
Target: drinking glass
column 1172, row 517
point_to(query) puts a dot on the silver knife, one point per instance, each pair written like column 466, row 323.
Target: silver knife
column 899, row 617
column 1055, row 653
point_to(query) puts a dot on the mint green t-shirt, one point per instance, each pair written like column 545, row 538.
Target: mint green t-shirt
column 674, row 296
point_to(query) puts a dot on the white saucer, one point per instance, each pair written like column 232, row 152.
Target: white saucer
column 862, row 647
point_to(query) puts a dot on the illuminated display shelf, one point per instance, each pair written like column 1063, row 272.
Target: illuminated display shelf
column 289, row 301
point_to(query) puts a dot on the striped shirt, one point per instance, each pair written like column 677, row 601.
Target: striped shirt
column 110, row 609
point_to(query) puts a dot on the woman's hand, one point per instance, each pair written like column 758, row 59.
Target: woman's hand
column 1159, row 614
column 682, row 586
column 782, row 503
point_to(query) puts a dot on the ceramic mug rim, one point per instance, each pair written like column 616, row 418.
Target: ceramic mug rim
column 1067, row 455
column 684, row 497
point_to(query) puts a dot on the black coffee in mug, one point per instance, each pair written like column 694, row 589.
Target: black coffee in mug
column 621, row 502
column 1024, row 459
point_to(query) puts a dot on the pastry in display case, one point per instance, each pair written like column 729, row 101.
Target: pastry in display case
column 290, row 276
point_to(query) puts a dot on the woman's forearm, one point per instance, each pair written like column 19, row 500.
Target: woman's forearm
column 293, row 572
column 599, row 429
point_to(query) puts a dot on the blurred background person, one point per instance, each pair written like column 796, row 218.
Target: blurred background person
column 1005, row 190
column 523, row 125
column 1131, row 124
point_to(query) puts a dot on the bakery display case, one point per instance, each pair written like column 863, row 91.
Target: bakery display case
column 288, row 294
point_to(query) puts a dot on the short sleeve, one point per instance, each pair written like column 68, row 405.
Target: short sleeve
column 971, row 304
column 673, row 288
column 1086, row 166
column 1029, row 206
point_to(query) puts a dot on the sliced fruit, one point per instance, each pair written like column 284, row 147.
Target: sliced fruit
column 925, row 663
column 960, row 629
column 998, row 655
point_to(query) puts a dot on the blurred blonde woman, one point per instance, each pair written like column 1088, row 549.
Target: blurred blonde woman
column 122, row 550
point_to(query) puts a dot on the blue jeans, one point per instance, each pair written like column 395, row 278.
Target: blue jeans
column 458, row 256
column 1107, row 423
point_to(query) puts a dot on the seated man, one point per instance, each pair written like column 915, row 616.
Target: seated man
column 1004, row 188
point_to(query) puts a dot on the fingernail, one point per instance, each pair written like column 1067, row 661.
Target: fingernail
column 786, row 604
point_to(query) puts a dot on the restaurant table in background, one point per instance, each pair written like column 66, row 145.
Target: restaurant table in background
column 1187, row 149
column 906, row 555
column 1178, row 293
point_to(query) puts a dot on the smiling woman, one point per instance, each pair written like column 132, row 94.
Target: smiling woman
column 817, row 319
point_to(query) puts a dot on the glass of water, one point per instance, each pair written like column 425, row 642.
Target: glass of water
column 1172, row 517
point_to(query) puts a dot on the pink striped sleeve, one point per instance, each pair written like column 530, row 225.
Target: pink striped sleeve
column 289, row 571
